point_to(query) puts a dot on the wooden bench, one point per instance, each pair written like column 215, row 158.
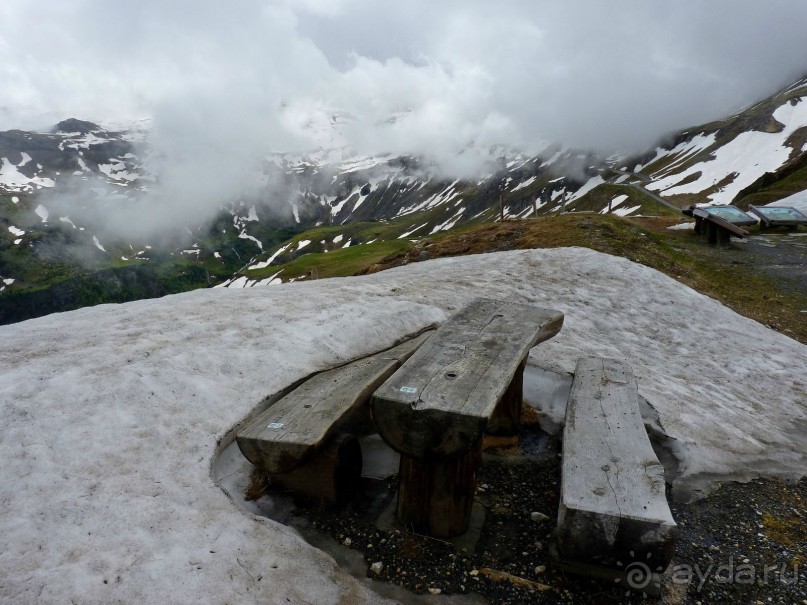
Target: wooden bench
column 613, row 509
column 434, row 410
column 305, row 442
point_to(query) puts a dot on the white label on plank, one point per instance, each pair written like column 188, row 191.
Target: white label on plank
column 274, row 425
column 408, row 390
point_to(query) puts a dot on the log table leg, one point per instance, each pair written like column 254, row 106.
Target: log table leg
column 507, row 415
column 332, row 476
column 435, row 497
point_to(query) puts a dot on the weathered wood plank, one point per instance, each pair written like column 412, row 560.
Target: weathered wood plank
column 332, row 476
column 295, row 427
column 439, row 402
column 613, row 505
column 506, row 417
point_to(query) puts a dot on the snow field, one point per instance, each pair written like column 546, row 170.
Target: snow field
column 112, row 415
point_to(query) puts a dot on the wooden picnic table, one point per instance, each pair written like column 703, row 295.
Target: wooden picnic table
column 434, row 410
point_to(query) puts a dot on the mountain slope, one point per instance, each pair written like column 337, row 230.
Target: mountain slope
column 760, row 151
column 58, row 190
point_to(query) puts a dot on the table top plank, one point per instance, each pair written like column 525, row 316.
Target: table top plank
column 440, row 400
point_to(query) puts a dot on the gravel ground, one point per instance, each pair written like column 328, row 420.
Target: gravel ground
column 780, row 255
column 727, row 542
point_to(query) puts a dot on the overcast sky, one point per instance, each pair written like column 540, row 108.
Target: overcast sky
column 586, row 72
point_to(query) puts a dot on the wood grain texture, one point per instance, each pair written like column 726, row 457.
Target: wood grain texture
column 332, row 476
column 613, row 503
column 440, row 401
column 435, row 497
column 506, row 417
column 295, row 427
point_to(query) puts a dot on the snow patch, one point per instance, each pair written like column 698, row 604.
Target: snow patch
column 742, row 160
column 13, row 180
column 408, row 233
column 593, row 182
column 682, row 227
column 112, row 413
column 524, row 184
column 626, row 211
column 269, row 260
column 449, row 223
column 244, row 235
column 614, row 203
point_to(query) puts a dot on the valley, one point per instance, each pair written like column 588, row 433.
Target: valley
column 71, row 202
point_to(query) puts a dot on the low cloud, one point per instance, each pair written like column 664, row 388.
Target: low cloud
column 227, row 84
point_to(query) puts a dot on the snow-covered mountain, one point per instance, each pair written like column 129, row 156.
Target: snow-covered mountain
column 58, row 189
column 756, row 156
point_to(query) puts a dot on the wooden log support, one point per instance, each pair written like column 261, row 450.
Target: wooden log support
column 331, row 477
column 296, row 427
column 506, row 415
column 435, row 497
column 436, row 407
column 613, row 508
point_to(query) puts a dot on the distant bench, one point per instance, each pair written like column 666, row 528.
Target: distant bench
column 613, row 508
column 434, row 410
column 306, row 441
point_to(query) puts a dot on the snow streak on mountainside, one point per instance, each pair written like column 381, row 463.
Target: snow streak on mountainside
column 97, row 199
column 717, row 163
column 89, row 198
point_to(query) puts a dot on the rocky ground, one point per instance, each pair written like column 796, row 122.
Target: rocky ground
column 779, row 254
column 746, row 543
